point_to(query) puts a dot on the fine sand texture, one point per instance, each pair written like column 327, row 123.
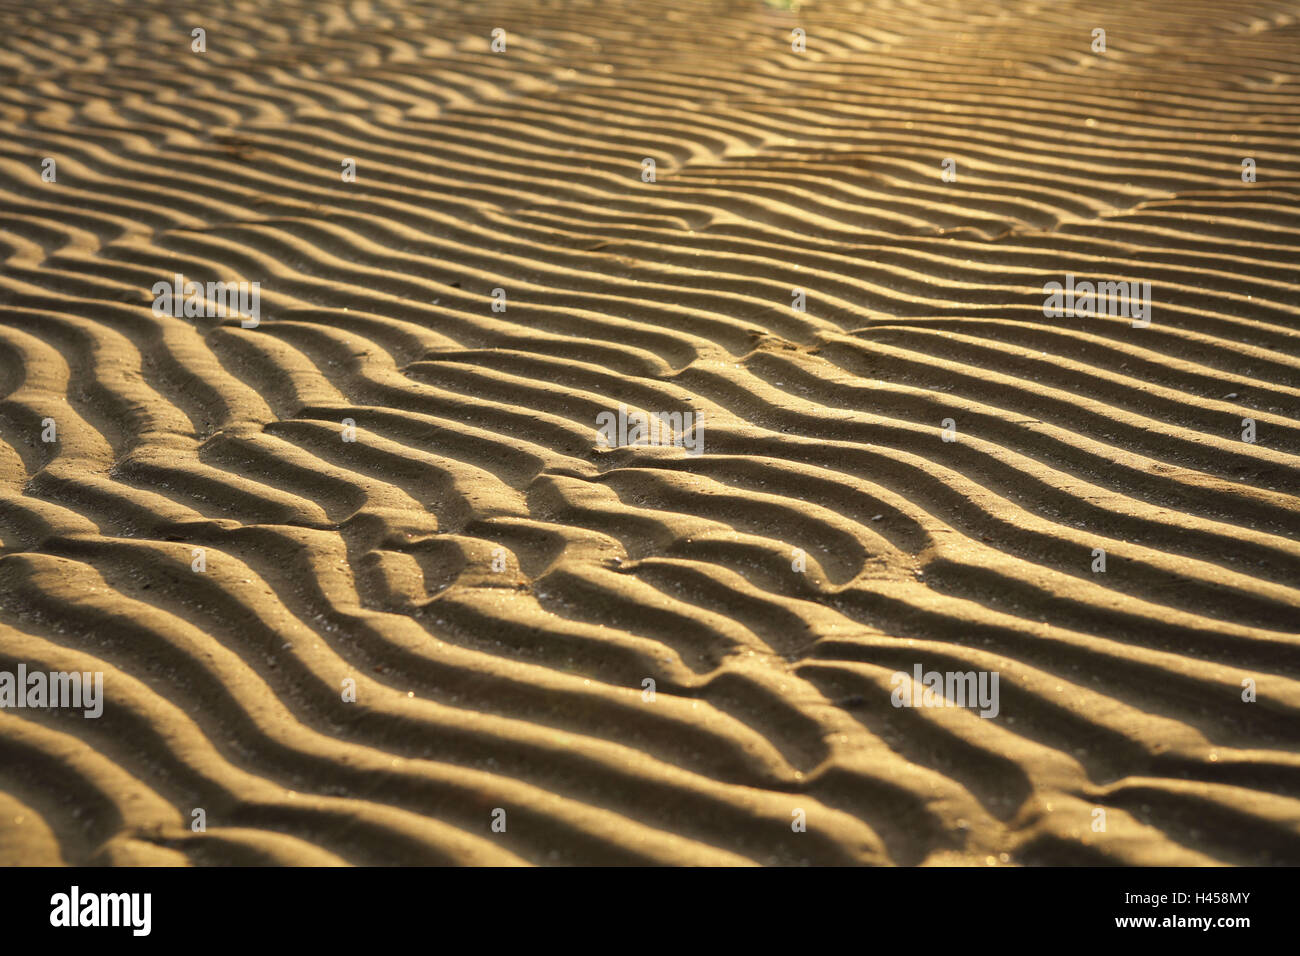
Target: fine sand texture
column 366, row 583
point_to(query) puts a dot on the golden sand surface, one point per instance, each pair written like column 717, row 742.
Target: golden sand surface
column 367, row 583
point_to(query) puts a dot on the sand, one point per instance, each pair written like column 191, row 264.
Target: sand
column 392, row 487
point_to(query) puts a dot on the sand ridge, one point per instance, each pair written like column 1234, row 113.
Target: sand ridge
column 498, row 585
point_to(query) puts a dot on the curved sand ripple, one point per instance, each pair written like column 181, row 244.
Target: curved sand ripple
column 521, row 689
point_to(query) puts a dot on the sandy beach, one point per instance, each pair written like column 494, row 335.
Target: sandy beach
column 575, row 432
